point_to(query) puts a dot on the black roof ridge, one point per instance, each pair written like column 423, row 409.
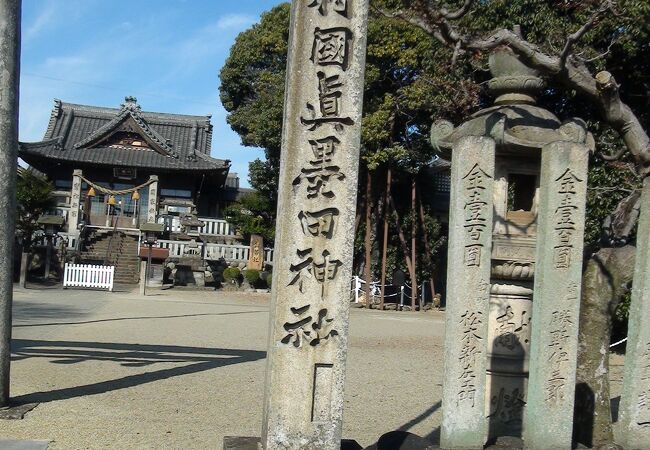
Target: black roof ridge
column 57, row 141
column 125, row 113
column 78, row 107
column 225, row 162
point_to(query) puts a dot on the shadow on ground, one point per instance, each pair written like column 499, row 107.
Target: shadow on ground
column 198, row 359
column 65, row 313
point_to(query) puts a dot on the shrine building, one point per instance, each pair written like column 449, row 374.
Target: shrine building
column 116, row 168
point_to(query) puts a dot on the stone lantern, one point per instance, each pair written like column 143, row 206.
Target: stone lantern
column 513, row 132
column 51, row 225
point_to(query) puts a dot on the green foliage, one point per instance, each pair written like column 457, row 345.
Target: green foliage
column 252, row 276
column 410, row 82
column 34, row 198
column 232, row 275
column 250, row 215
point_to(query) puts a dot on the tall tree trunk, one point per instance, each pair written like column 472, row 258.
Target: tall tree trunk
column 9, row 86
column 414, row 228
column 385, row 238
column 367, row 237
column 427, row 246
column 606, row 278
column 402, row 240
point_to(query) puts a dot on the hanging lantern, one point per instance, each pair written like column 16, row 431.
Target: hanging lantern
column 135, row 195
column 91, row 192
column 112, row 201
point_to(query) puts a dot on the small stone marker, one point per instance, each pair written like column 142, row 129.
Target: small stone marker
column 256, row 258
column 75, row 202
column 464, row 424
column 315, row 228
column 556, row 298
column 635, row 399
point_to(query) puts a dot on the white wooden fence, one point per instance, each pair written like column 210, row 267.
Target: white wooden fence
column 88, row 276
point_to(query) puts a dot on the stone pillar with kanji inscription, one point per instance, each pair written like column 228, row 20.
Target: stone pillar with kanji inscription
column 152, row 199
column 634, row 415
column 556, row 298
column 521, row 130
column 75, row 202
column 314, row 244
column 256, row 256
column 464, row 424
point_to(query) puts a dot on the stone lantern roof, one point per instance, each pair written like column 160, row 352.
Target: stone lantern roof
column 516, row 124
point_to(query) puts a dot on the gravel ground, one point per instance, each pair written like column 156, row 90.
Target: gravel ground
column 181, row 369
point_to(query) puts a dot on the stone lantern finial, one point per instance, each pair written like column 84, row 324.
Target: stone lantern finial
column 514, row 82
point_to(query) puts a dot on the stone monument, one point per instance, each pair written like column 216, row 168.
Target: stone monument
column 515, row 134
column 315, row 228
column 256, row 258
column 635, row 399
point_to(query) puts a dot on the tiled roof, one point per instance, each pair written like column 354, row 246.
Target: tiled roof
column 75, row 133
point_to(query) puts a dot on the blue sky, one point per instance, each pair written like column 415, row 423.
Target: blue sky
column 167, row 53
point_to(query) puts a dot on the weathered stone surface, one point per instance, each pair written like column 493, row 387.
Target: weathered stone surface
column 635, row 399
column 24, row 263
column 255, row 443
column 508, row 349
column 256, row 258
column 556, row 302
column 9, row 82
column 464, row 423
column 143, row 277
column 315, row 228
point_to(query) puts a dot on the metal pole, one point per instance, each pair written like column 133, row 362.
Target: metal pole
column 9, row 88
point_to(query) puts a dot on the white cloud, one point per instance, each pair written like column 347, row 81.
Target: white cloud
column 235, row 21
column 44, row 19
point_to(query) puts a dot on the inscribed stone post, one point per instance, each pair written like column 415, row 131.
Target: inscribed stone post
column 75, row 199
column 9, row 82
column 464, row 424
column 315, row 229
column 152, row 198
column 635, row 399
column 256, row 257
column 556, row 298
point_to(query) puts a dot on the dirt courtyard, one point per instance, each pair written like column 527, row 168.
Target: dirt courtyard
column 182, row 369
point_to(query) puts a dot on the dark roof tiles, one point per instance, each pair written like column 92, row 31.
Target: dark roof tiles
column 186, row 138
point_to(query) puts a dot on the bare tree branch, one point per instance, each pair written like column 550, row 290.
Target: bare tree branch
column 601, row 89
column 575, row 37
column 459, row 13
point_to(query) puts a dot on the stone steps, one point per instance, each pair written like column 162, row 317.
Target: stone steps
column 123, row 254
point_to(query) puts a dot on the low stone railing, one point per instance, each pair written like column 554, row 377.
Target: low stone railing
column 213, row 252
column 212, row 227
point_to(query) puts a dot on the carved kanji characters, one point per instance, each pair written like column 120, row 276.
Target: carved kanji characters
column 306, row 329
column 554, row 386
column 319, row 223
column 322, row 271
column 321, row 170
column 325, row 6
column 329, row 95
column 331, row 47
column 473, row 255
